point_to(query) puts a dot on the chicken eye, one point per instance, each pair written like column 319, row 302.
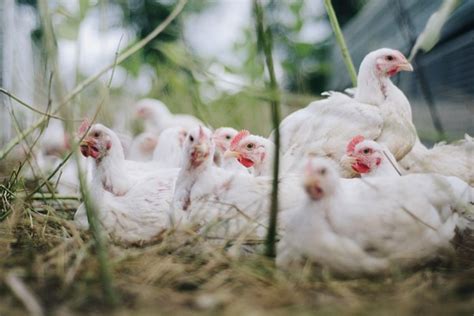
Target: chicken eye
column 323, row 171
column 228, row 137
column 249, row 145
column 389, row 58
column 191, row 138
column 366, row 151
column 96, row 134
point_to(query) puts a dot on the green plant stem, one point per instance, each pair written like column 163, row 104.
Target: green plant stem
column 341, row 41
column 55, row 197
column 100, row 244
column 265, row 42
column 78, row 89
column 20, row 101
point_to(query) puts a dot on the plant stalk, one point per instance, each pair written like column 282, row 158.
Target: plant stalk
column 49, row 196
column 264, row 39
column 100, row 244
column 341, row 41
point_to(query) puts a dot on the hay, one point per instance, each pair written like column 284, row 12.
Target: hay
column 184, row 273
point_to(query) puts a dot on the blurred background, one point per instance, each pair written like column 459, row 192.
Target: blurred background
column 206, row 62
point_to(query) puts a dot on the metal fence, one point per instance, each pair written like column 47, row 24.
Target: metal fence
column 441, row 90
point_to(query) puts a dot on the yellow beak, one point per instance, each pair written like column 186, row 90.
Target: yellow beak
column 85, row 142
column 230, row 153
column 202, row 148
column 405, row 67
column 347, row 161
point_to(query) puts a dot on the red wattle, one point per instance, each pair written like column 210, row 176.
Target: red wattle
column 392, row 72
column 94, row 153
column 360, row 167
column 247, row 163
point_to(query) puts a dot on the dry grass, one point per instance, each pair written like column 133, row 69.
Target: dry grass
column 185, row 274
column 48, row 267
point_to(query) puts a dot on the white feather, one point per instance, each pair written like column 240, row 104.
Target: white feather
column 366, row 225
column 379, row 111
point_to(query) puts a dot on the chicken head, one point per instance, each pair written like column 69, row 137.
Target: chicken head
column 364, row 155
column 223, row 137
column 198, row 147
column 148, row 142
column 250, row 150
column 320, row 178
column 98, row 142
column 389, row 62
column 151, row 110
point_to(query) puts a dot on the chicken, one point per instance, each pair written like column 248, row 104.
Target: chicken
column 116, row 174
column 140, row 215
column 370, row 159
column 454, row 159
column 142, row 147
column 363, row 226
column 252, row 151
column 157, row 116
column 238, row 201
column 168, row 152
column 132, row 200
column 222, row 138
column 379, row 111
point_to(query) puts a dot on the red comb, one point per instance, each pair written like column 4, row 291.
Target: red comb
column 83, row 127
column 237, row 138
column 356, row 140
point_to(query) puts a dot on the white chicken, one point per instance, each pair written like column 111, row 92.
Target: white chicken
column 157, row 116
column 142, row 147
column 222, row 138
column 370, row 159
column 116, row 174
column 168, row 152
column 133, row 202
column 454, row 159
column 140, row 215
column 239, row 202
column 363, row 226
column 379, row 111
column 252, row 152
